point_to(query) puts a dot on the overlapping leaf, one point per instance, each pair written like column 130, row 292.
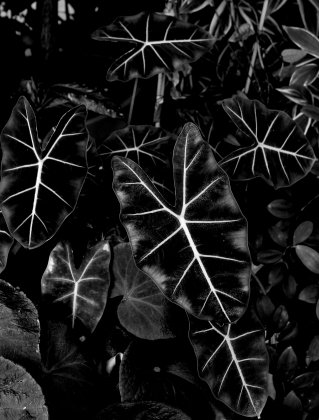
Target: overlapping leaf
column 151, row 147
column 84, row 288
column 196, row 251
column 41, row 183
column 233, row 360
column 143, row 311
column 6, row 242
column 153, row 43
column 278, row 150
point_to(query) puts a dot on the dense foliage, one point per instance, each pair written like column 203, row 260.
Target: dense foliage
column 159, row 243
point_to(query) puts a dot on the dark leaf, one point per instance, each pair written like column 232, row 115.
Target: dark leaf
column 85, row 288
column 233, row 360
column 154, row 43
column 287, row 364
column 265, row 308
column 20, row 396
column 281, row 208
column 277, row 274
column 292, row 401
column 279, row 233
column 289, row 286
column 143, row 311
column 269, row 256
column 302, row 232
column 310, row 293
column 6, row 242
column 311, row 111
column 309, row 257
column 173, row 244
column 304, row 75
column 280, row 318
column 19, row 327
column 279, row 151
column 41, row 182
column 148, row 410
column 305, row 40
column 313, row 350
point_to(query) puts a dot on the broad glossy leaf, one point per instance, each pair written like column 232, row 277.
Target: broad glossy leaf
column 233, row 360
column 278, row 151
column 6, row 241
column 305, row 40
column 150, row 147
column 143, row 311
column 84, row 288
column 20, row 396
column 41, row 181
column 309, row 257
column 154, row 43
column 196, row 251
column 292, row 55
column 19, row 327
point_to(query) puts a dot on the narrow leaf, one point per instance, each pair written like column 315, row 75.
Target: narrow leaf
column 196, row 251
column 154, row 43
column 305, row 40
column 279, row 151
column 6, row 241
column 40, row 183
column 233, row 360
column 309, row 257
column 85, row 288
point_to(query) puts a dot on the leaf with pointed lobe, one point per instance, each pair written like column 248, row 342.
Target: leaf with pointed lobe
column 233, row 360
column 305, row 40
column 84, row 288
column 154, row 43
column 41, row 181
column 278, row 151
column 196, row 251
column 143, row 310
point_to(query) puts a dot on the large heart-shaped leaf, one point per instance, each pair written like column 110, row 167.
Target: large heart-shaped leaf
column 151, row 147
column 278, row 150
column 41, row 181
column 6, row 242
column 20, row 396
column 84, row 288
column 143, row 311
column 233, row 360
column 153, row 43
column 196, row 251
column 19, row 327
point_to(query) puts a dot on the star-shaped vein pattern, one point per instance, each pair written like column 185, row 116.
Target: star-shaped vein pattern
column 83, row 289
column 40, row 187
column 233, row 360
column 153, row 43
column 196, row 251
column 278, row 152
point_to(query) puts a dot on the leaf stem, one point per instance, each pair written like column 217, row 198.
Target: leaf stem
column 159, row 99
column 263, row 290
column 132, row 102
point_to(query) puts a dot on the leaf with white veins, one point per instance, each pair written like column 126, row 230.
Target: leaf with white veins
column 196, row 251
column 154, row 43
column 233, row 360
column 41, row 182
column 278, row 152
column 84, row 288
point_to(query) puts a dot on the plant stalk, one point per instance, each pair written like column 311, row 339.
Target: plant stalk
column 159, row 99
column 132, row 102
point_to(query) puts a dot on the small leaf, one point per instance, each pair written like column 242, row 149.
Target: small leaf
column 19, row 327
column 290, row 286
column 313, row 350
column 85, row 288
column 304, row 75
column 41, row 181
column 281, row 208
column 265, row 308
column 233, row 360
column 278, row 151
column 20, row 396
column 309, row 294
column 292, row 55
column 305, row 40
column 287, row 364
column 280, row 318
column 296, row 94
column 269, row 256
column 6, row 241
column 302, row 232
column 154, row 43
column 309, row 257
column 173, row 244
column 277, row 274
column 143, row 311
column 292, row 401
column 279, row 233
column 311, row 111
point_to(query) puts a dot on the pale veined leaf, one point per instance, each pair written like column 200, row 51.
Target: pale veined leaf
column 196, row 251
column 305, row 40
column 154, row 43
column 150, row 147
column 85, row 288
column 6, row 242
column 233, row 360
column 41, row 183
column 279, row 152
